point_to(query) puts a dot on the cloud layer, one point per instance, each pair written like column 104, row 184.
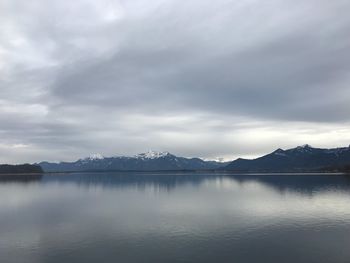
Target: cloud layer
column 197, row 78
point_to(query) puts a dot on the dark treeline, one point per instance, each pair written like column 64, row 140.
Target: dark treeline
column 20, row 169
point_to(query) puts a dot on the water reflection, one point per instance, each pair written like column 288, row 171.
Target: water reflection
column 306, row 184
column 20, row 178
column 174, row 217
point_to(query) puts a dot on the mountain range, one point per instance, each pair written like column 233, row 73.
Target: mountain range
column 300, row 159
column 149, row 161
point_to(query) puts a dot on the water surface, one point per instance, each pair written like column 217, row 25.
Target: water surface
column 174, row 217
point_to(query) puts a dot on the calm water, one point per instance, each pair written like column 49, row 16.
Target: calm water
column 174, row 218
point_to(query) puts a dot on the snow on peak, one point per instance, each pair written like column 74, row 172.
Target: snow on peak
column 152, row 155
column 280, row 152
column 305, row 147
column 95, row 156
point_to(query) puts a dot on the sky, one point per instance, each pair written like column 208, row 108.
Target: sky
column 197, row 78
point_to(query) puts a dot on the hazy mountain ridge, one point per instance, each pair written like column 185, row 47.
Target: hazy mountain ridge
column 300, row 159
column 149, row 161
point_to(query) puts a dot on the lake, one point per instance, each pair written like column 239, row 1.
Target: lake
column 174, row 217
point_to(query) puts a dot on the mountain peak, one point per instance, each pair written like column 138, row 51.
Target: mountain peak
column 305, row 146
column 152, row 155
column 95, row 156
column 280, row 152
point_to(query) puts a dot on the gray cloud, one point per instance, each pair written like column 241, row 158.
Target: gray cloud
column 197, row 78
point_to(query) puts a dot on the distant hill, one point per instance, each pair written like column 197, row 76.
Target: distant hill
column 149, row 161
column 300, row 159
column 20, row 169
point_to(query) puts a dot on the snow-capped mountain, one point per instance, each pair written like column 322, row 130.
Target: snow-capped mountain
column 148, row 161
column 95, row 156
column 152, row 155
column 301, row 158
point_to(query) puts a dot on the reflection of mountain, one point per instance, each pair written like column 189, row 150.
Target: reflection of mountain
column 150, row 161
column 166, row 181
column 170, row 181
column 140, row 180
column 299, row 159
column 300, row 183
column 20, row 178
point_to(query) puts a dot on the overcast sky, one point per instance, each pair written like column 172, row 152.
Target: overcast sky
column 200, row 78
